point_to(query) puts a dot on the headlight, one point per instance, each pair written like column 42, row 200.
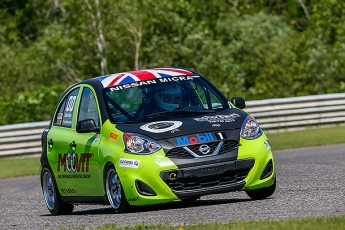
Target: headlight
column 139, row 144
column 250, row 128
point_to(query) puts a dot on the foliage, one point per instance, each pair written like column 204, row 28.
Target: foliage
column 256, row 49
column 30, row 106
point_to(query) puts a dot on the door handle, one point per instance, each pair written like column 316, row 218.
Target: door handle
column 50, row 142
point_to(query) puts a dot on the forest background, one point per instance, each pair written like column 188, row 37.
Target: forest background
column 256, row 49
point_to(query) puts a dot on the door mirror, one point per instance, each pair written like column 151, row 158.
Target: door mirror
column 238, row 102
column 87, row 126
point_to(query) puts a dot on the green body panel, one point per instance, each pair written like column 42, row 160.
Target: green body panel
column 258, row 150
column 148, row 170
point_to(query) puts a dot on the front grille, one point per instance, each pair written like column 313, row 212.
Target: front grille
column 180, row 152
column 192, row 183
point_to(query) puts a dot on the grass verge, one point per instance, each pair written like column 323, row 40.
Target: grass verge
column 319, row 223
column 307, row 137
column 19, row 166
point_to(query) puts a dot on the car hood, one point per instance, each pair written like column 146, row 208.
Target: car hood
column 172, row 126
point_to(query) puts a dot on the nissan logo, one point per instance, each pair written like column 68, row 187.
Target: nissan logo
column 204, row 149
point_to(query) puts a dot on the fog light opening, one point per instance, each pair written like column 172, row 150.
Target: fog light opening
column 144, row 189
column 268, row 170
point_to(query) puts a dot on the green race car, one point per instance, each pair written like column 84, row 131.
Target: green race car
column 149, row 137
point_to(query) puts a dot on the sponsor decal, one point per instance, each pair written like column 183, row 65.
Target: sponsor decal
column 75, row 176
column 150, row 82
column 68, row 115
column 73, row 162
column 161, row 126
column 129, row 163
column 218, row 118
column 175, row 130
column 66, row 191
column 216, row 125
column 172, row 176
column 59, row 116
column 113, row 136
column 209, row 170
column 134, row 199
column 267, row 144
column 200, row 138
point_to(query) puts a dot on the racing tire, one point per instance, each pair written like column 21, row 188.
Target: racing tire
column 115, row 193
column 50, row 192
column 262, row 193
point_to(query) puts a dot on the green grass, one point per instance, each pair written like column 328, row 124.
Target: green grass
column 19, row 166
column 308, row 137
column 319, row 223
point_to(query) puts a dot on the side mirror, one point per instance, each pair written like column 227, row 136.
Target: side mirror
column 238, row 102
column 87, row 126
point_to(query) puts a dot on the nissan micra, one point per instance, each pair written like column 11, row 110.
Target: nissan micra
column 148, row 137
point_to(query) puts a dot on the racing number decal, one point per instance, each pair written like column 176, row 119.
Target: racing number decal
column 70, row 103
column 220, row 136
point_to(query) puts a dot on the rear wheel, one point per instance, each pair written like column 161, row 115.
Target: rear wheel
column 115, row 194
column 53, row 201
column 263, row 192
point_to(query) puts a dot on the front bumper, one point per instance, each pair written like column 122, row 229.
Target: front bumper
column 243, row 168
column 208, row 179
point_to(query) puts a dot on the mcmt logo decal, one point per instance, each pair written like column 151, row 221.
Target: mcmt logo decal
column 72, row 162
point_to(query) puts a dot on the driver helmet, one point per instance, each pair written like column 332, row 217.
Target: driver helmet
column 169, row 99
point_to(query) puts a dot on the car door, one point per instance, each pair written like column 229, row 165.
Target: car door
column 60, row 152
column 87, row 146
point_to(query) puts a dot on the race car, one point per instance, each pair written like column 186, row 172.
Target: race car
column 148, row 137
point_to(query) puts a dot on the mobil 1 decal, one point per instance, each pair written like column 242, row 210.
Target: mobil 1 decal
column 200, row 138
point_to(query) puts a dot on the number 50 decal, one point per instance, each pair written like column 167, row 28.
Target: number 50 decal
column 70, row 103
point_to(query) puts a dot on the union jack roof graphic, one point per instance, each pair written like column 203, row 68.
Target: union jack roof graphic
column 141, row 75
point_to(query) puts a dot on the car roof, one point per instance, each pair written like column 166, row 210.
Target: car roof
column 142, row 75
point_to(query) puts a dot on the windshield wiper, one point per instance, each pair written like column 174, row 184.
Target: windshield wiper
column 167, row 113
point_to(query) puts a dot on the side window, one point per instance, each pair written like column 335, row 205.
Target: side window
column 207, row 97
column 88, row 107
column 65, row 112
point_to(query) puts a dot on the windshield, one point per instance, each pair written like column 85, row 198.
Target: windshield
column 144, row 100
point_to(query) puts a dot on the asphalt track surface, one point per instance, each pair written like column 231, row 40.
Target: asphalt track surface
column 311, row 182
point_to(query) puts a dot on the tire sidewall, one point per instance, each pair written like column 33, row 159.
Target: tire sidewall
column 123, row 202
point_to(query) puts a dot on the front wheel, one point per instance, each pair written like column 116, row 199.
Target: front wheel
column 115, row 194
column 53, row 201
column 263, row 192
